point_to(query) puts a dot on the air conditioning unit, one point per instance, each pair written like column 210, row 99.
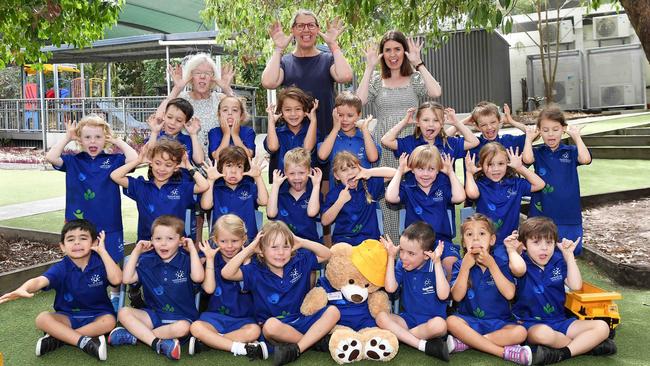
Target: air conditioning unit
column 617, row 95
column 549, row 32
column 613, row 26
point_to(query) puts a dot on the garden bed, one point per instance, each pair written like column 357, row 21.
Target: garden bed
column 21, row 253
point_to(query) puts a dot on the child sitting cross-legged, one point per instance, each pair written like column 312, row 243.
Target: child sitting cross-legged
column 83, row 312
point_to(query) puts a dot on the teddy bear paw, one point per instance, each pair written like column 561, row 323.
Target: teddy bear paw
column 348, row 350
column 378, row 349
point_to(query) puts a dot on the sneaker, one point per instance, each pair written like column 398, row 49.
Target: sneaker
column 115, row 300
column 546, row 356
column 455, row 345
column 521, row 355
column 96, row 347
column 256, row 351
column 323, row 345
column 286, row 353
column 196, row 346
column 120, row 337
column 171, row 348
column 605, row 348
column 437, row 348
column 47, row 344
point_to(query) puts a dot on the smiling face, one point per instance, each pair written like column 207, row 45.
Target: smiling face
column 233, row 173
column 551, row 132
column 477, row 236
column 175, row 119
column 230, row 111
column 276, row 251
column 489, row 126
column 166, row 241
column 297, row 175
column 346, row 174
column 305, row 31
column 425, row 176
column 430, row 124
column 202, row 78
column 348, row 116
column 393, row 53
column 77, row 243
column 293, row 113
column 229, row 244
column 163, row 167
column 496, row 167
column 92, row 139
column 411, row 254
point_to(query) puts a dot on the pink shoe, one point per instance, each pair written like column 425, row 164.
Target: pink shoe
column 455, row 345
column 521, row 355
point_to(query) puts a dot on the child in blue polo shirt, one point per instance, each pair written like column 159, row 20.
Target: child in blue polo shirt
column 167, row 274
column 352, row 204
column 429, row 122
column 164, row 193
column 483, row 286
column 421, row 279
column 496, row 188
column 297, row 203
column 487, row 119
column 345, row 136
column 279, row 280
column 232, row 113
column 83, row 311
column 540, row 297
column 179, row 114
column 228, row 323
column 557, row 164
column 427, row 195
column 294, row 105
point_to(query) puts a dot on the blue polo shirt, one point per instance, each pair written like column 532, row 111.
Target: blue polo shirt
column 505, row 140
column 168, row 287
column 173, row 198
column 560, row 198
column 418, row 290
column 275, row 296
column 90, row 193
column 483, row 299
column 357, row 220
column 293, row 212
column 353, row 144
column 501, row 201
column 184, row 140
column 241, row 201
column 428, row 207
column 229, row 298
column 454, row 146
column 353, row 315
column 80, row 292
column 215, row 136
column 288, row 141
column 540, row 292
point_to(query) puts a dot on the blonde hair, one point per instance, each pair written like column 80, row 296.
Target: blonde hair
column 485, row 108
column 232, row 224
column 242, row 106
column 487, row 153
column 94, row 120
column 271, row 231
column 297, row 156
column 439, row 111
column 425, row 156
column 347, row 159
column 193, row 61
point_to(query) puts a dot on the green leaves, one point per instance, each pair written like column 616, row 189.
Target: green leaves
column 479, row 313
column 549, row 309
column 88, row 195
column 168, row 308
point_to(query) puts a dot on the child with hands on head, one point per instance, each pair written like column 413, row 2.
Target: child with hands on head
column 352, row 203
column 294, row 105
column 540, row 296
column 297, row 203
column 235, row 186
column 424, row 290
column 83, row 313
column 232, row 114
column 484, row 286
column 179, row 114
column 228, row 323
column 279, row 279
column 164, row 193
column 428, row 195
column 497, row 189
column 168, row 266
column 557, row 164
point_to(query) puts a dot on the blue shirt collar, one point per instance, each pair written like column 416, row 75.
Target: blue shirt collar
column 357, row 134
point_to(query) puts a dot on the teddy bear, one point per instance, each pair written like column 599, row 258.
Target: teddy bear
column 353, row 280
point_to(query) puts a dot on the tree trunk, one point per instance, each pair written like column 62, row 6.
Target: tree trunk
column 638, row 12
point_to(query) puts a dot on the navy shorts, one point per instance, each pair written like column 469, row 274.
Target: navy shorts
column 413, row 320
column 302, row 323
column 450, row 249
column 559, row 325
column 114, row 242
column 223, row 323
column 159, row 319
column 571, row 232
column 78, row 321
column 484, row 326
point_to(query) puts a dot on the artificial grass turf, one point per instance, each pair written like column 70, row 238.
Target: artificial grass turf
column 18, row 337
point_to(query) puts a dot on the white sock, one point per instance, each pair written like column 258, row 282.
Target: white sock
column 238, row 349
column 422, row 344
column 114, row 295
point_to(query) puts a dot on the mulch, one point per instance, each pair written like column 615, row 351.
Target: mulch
column 15, row 254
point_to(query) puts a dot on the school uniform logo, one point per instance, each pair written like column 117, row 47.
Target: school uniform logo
column 304, row 204
column 490, row 281
column 95, row 281
column 245, row 195
column 557, row 274
column 106, row 164
column 180, row 277
column 295, row 275
column 174, row 194
column 437, row 196
column 511, row 192
column 428, row 288
column 565, row 158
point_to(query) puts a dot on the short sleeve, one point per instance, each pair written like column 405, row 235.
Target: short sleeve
column 56, row 275
column 330, row 198
column 374, row 87
column 214, row 140
column 403, row 146
column 120, row 159
column 248, row 139
column 523, row 186
column 248, row 273
column 399, row 272
column 458, row 146
column 67, row 160
column 376, row 187
column 403, row 196
column 134, row 189
column 455, row 270
column 310, row 260
column 504, row 268
column 418, row 84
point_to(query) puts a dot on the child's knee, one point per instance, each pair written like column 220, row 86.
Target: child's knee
column 333, row 313
column 541, row 334
column 42, row 319
column 437, row 325
column 197, row 328
column 107, row 320
column 182, row 328
column 519, row 333
column 251, row 332
column 602, row 328
column 123, row 314
column 453, row 323
column 382, row 319
column 271, row 326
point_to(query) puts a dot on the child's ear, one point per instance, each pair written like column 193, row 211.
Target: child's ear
column 62, row 247
column 493, row 239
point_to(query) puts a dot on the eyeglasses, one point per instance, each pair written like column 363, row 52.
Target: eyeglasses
column 208, row 74
column 301, row 26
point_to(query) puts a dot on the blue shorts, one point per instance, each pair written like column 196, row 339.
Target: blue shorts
column 158, row 319
column 301, row 322
column 114, row 243
column 560, row 325
column 450, row 249
column 484, row 326
column 571, row 232
column 413, row 320
column 223, row 323
column 78, row 321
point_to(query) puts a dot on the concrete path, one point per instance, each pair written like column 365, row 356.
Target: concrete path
column 32, row 208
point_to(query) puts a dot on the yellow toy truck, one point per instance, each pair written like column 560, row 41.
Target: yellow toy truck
column 592, row 302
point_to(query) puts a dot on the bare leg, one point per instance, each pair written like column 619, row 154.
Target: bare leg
column 207, row 334
column 138, row 323
column 508, row 335
column 434, row 327
column 459, row 329
column 396, row 325
column 177, row 329
column 59, row 327
column 586, row 334
column 276, row 330
column 545, row 335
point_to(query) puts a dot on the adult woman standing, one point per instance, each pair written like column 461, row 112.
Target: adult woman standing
column 403, row 81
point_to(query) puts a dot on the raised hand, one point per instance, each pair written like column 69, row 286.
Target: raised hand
column 334, row 29
column 363, row 174
column 506, row 113
column 100, row 246
column 193, row 125
column 470, row 164
column 273, row 118
column 211, row 170
column 143, row 156
column 227, row 75
column 450, row 116
column 316, row 176
column 413, row 54
column 71, row 130
column 436, row 254
column 469, row 259
column 447, row 164
column 404, row 163
column 345, row 195
column 185, row 162
column 236, row 127
column 188, row 244
column 567, row 246
column 156, row 124
column 336, row 122
column 514, row 158
column 254, row 245
column 256, row 167
column 532, row 133
column 312, row 113
column 372, row 57
column 485, row 259
column 278, row 177
column 280, row 40
column 408, row 118
column 511, row 242
column 574, row 130
column 392, row 249
column 207, row 249
column 143, row 246
column 176, row 72
column 364, row 123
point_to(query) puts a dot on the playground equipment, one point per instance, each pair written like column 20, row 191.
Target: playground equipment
column 592, row 302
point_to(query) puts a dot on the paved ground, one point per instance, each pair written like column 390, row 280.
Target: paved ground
column 32, row 208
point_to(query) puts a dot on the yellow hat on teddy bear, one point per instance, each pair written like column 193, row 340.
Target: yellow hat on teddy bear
column 370, row 258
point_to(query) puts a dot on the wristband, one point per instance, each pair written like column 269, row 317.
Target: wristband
column 420, row 64
column 194, row 171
